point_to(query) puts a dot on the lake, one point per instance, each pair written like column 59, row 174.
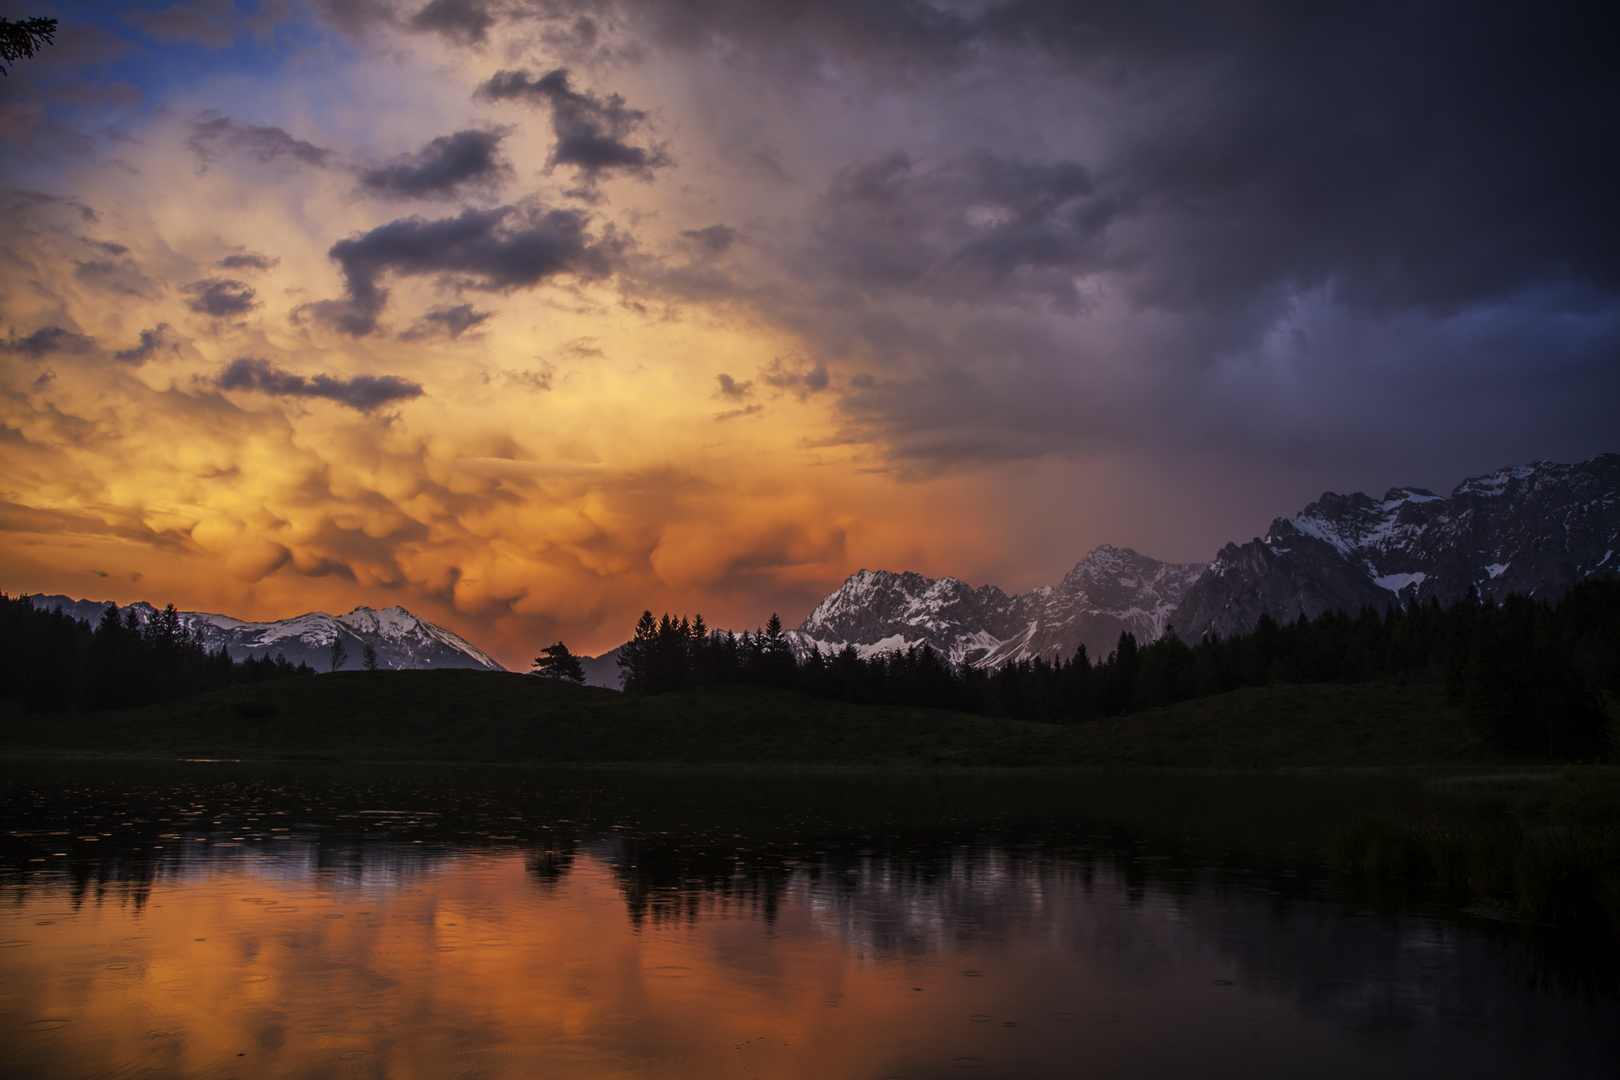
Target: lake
column 233, row 920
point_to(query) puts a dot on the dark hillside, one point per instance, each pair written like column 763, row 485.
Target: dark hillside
column 469, row 716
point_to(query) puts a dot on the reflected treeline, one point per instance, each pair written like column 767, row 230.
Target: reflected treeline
column 734, row 837
column 890, row 864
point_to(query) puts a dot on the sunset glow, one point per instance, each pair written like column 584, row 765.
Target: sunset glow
column 529, row 316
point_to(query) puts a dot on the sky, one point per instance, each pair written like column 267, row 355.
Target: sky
column 530, row 315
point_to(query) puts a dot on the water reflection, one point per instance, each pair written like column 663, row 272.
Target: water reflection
column 230, row 920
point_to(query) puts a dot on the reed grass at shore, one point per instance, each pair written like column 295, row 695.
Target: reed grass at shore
column 1555, row 862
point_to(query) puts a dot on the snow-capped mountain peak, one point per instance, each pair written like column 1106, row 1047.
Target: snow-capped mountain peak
column 1109, row 591
column 1535, row 529
column 402, row 640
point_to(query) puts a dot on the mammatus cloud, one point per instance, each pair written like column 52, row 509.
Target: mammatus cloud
column 593, row 133
column 505, row 248
column 48, row 340
column 119, row 275
column 221, row 298
column 361, row 392
column 444, row 167
column 211, row 133
column 463, row 21
column 151, row 342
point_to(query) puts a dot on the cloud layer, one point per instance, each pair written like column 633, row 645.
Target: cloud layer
column 531, row 315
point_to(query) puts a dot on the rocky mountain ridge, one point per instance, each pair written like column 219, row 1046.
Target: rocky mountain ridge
column 1534, row 529
column 402, row 640
column 1110, row 591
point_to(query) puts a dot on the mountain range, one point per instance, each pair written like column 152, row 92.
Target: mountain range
column 1534, row 529
column 402, row 640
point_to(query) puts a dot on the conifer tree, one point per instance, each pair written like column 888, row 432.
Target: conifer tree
column 637, row 653
column 556, row 662
column 339, row 655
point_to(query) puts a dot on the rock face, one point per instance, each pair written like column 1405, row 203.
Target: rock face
column 1109, row 591
column 1532, row 529
column 402, row 640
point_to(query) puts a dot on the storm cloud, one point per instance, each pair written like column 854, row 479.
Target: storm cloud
column 364, row 393
column 975, row 227
column 593, row 133
column 1037, row 275
column 1431, row 156
column 220, row 298
column 152, row 340
column 443, row 168
column 48, row 340
column 497, row 250
column 454, row 321
column 464, row 21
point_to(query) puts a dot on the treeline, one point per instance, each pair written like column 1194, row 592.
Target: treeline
column 1532, row 677
column 50, row 661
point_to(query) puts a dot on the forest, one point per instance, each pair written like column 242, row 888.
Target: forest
column 1533, row 678
column 52, row 662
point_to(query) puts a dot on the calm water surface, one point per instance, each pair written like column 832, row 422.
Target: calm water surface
column 218, row 920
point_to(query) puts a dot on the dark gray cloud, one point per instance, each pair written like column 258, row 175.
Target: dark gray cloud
column 362, row 392
column 48, row 340
column 731, row 388
column 445, row 167
column 221, row 298
column 506, row 248
column 464, row 21
column 1344, row 232
column 1431, row 156
column 796, row 376
column 212, row 132
column 152, row 342
column 248, row 260
column 977, row 226
column 454, row 321
column 593, row 133
column 712, row 240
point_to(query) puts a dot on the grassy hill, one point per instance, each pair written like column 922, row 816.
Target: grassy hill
column 466, row 716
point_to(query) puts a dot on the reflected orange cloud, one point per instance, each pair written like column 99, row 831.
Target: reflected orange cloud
column 478, row 967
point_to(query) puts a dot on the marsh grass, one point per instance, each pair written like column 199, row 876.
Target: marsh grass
column 1556, row 862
